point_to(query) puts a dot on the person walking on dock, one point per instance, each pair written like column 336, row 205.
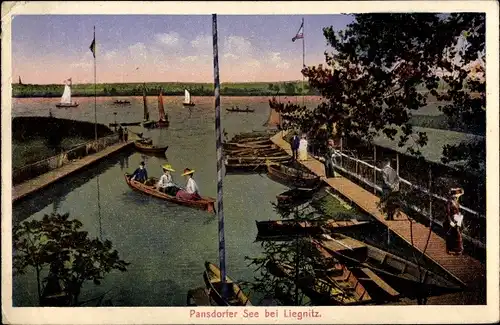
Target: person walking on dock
column 390, row 189
column 120, row 133
column 331, row 157
column 140, row 174
column 302, row 151
column 453, row 223
column 295, row 146
column 192, row 191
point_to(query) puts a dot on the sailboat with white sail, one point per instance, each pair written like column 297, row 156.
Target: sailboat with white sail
column 146, row 122
column 187, row 99
column 66, row 97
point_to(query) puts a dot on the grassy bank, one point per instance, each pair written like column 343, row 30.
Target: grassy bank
column 169, row 89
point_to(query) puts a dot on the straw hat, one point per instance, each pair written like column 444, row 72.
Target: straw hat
column 168, row 167
column 456, row 192
column 187, row 171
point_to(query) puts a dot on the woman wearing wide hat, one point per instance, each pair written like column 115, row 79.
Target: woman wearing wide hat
column 166, row 183
column 191, row 192
column 453, row 223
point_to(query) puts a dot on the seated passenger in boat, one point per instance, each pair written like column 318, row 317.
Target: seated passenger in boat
column 166, row 184
column 140, row 174
column 191, row 192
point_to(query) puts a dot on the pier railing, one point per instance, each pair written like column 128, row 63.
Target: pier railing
column 26, row 172
column 417, row 198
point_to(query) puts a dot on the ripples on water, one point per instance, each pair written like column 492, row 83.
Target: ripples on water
column 166, row 244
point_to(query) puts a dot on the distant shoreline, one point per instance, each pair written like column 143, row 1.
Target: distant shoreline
column 287, row 88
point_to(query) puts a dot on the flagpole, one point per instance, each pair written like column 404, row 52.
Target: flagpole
column 95, row 94
column 303, row 57
column 220, row 210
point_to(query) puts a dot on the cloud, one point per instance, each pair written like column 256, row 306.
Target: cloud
column 237, row 46
column 110, row 54
column 277, row 61
column 138, row 50
column 230, row 56
column 191, row 58
column 170, row 39
column 202, row 42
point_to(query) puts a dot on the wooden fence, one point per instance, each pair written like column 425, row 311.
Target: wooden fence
column 26, row 172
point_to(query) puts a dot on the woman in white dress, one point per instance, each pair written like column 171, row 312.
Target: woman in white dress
column 303, row 148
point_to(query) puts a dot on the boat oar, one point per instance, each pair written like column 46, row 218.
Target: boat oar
column 337, row 241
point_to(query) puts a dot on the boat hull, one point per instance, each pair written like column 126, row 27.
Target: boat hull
column 149, row 148
column 212, row 277
column 125, row 124
column 397, row 272
column 292, row 177
column 240, row 110
column 205, row 204
column 67, row 105
column 188, row 104
column 302, row 227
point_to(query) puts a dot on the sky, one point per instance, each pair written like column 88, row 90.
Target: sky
column 166, row 48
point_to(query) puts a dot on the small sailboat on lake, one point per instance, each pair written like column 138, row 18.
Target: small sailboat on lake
column 187, row 99
column 66, row 97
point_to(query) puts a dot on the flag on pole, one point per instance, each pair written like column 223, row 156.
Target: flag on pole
column 300, row 32
column 92, row 46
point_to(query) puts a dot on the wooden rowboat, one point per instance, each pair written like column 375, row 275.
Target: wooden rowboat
column 250, row 152
column 292, row 177
column 310, row 227
column 398, row 272
column 256, row 160
column 149, row 148
column 212, row 278
column 250, row 145
column 295, row 197
column 125, row 124
column 206, row 203
column 340, row 287
column 240, row 110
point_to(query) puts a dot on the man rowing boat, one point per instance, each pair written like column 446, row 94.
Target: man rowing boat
column 192, row 191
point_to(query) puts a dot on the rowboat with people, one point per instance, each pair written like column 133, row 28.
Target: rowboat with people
column 237, row 109
column 149, row 188
column 213, row 280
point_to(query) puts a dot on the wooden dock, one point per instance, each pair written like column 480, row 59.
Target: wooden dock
column 31, row 186
column 467, row 269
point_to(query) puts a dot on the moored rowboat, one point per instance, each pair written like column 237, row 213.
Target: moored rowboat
column 206, row 203
column 292, row 177
column 407, row 277
column 149, row 148
column 212, row 278
column 290, row 226
column 295, row 197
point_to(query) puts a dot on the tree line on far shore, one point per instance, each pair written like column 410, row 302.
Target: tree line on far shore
column 289, row 88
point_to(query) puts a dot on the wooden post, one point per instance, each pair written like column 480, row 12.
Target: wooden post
column 374, row 169
column 341, row 144
column 430, row 197
column 397, row 163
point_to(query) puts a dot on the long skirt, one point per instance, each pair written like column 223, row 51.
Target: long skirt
column 454, row 242
column 302, row 153
column 183, row 195
column 170, row 190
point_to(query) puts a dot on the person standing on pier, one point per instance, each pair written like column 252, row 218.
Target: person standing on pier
column 295, row 146
column 192, row 191
column 453, row 223
column 125, row 135
column 140, row 174
column 120, row 133
column 302, row 151
column 390, row 189
column 331, row 159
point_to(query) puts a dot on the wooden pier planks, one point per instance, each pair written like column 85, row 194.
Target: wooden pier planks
column 26, row 188
column 467, row 269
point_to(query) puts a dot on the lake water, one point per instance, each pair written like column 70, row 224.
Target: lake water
column 166, row 244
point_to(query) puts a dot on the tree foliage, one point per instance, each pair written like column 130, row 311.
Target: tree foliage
column 382, row 69
column 71, row 256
